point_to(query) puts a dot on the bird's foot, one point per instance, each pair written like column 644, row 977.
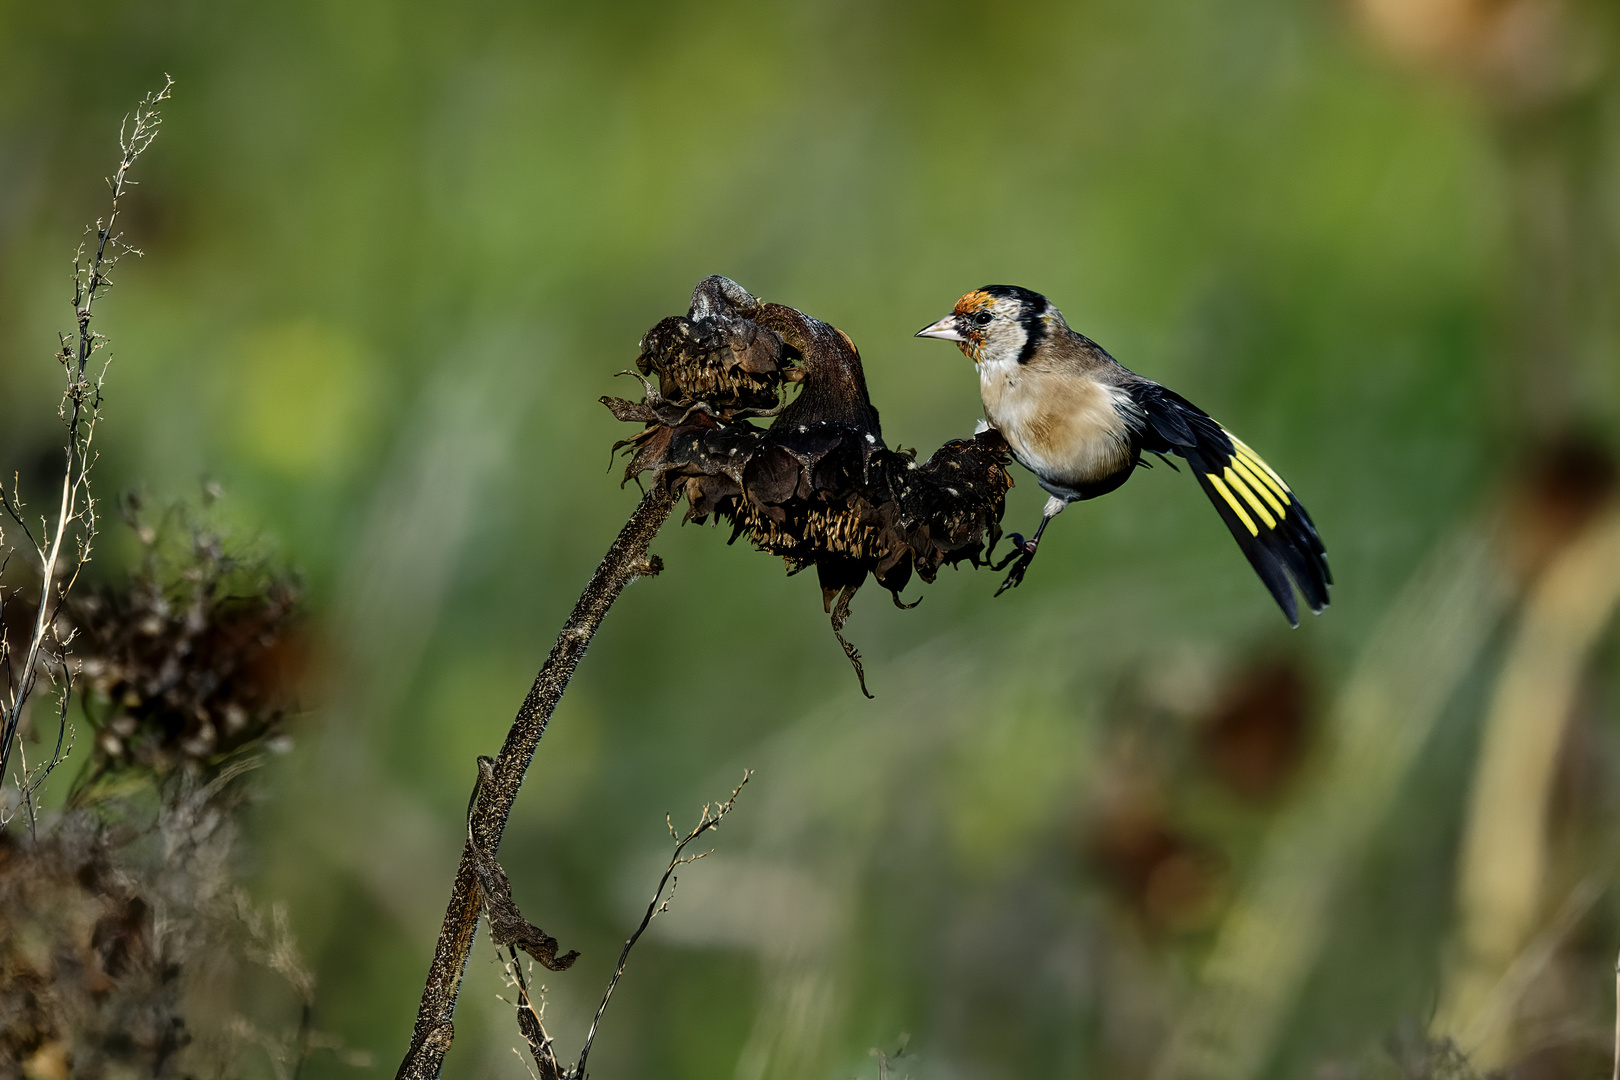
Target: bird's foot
column 1022, row 554
column 1015, row 576
column 1020, row 546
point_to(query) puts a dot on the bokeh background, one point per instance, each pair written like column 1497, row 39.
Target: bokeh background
column 1120, row 822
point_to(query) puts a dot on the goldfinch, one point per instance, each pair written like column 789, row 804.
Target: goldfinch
column 1080, row 421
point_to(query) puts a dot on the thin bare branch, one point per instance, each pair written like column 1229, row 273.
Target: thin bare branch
column 64, row 550
column 710, row 818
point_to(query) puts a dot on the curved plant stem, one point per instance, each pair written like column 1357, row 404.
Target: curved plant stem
column 625, row 561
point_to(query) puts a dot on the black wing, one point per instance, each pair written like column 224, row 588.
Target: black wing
column 1269, row 524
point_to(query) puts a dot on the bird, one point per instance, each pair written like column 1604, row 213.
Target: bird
column 1081, row 421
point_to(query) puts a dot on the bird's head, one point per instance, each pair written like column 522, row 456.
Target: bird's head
column 997, row 324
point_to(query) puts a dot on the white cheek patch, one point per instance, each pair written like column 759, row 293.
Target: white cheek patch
column 1016, row 338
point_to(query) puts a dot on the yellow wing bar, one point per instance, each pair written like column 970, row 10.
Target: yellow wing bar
column 1254, row 460
column 1231, row 500
column 1252, row 488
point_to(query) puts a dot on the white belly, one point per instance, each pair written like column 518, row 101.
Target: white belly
column 1069, row 430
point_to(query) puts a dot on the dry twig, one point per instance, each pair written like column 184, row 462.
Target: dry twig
column 531, row 1019
column 709, row 818
column 885, row 1062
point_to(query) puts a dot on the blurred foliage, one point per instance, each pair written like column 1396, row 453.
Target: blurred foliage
column 395, row 252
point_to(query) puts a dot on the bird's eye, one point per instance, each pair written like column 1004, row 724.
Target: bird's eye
column 982, row 318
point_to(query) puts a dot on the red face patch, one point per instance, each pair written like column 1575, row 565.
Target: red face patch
column 973, row 301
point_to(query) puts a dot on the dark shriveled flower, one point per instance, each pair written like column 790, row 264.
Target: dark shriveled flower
column 195, row 658
column 819, row 486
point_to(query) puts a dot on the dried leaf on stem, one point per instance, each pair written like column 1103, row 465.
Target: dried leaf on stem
column 507, row 926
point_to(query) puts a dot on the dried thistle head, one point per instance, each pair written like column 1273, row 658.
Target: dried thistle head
column 196, row 657
column 819, row 486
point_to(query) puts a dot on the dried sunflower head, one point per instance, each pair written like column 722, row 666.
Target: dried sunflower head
column 819, row 486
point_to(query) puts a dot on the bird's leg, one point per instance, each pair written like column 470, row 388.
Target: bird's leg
column 1023, row 552
column 1054, row 507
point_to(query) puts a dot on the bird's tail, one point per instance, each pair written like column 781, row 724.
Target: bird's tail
column 1269, row 523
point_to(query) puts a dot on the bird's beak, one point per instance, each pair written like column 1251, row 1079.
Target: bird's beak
column 945, row 330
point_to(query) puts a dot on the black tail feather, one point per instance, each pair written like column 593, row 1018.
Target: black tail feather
column 1283, row 547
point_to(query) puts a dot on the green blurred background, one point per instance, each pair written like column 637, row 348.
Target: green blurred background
column 1113, row 824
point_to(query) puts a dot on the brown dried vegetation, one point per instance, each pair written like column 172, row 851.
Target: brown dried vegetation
column 122, row 930
column 85, row 987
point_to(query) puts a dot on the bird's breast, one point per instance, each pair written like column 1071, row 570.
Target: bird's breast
column 1065, row 427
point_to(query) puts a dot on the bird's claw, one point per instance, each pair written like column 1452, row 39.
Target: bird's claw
column 1022, row 554
column 1018, row 546
column 1015, row 577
